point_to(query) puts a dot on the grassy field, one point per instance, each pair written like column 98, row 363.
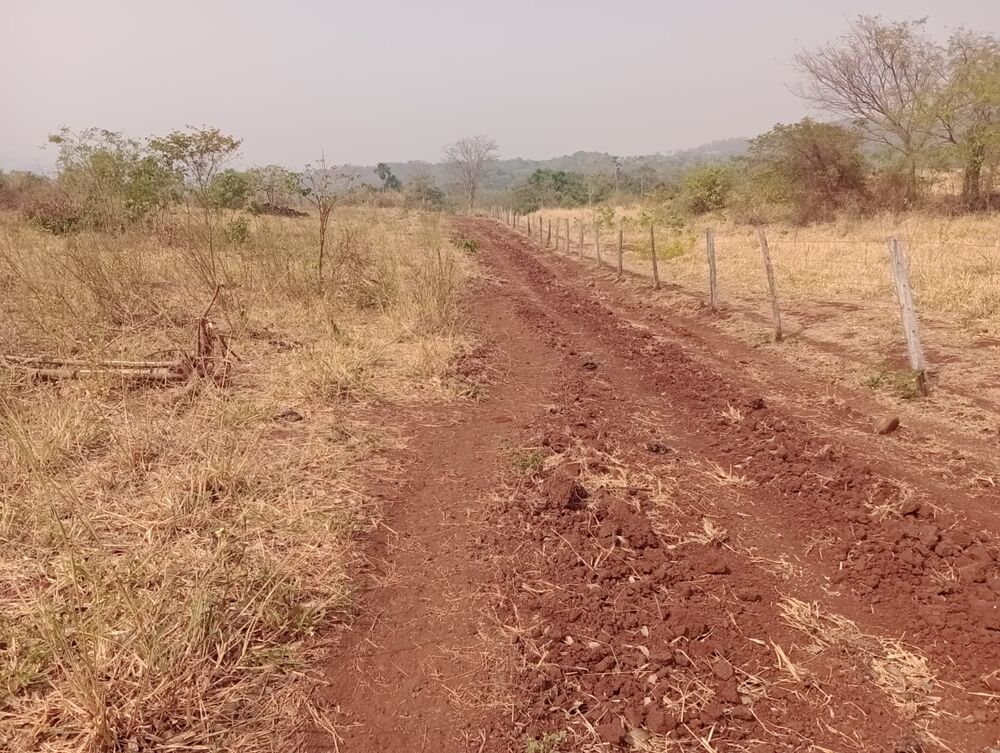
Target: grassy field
column 954, row 262
column 171, row 555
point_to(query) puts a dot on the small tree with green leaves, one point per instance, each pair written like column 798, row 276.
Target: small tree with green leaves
column 231, row 189
column 113, row 179
column 200, row 154
column 968, row 110
column 706, row 188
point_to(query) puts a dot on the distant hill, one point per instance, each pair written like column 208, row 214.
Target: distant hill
column 507, row 172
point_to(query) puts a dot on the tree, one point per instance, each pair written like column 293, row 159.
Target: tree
column 231, row 189
column 276, row 183
column 467, row 160
column 599, row 186
column 968, row 109
column 200, row 154
column 389, row 181
column 817, row 168
column 422, row 192
column 549, row 188
column 707, row 188
column 644, row 178
column 112, row 178
column 883, row 75
column 323, row 188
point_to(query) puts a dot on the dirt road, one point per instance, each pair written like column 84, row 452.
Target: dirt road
column 631, row 542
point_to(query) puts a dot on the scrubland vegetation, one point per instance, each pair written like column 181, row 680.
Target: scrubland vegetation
column 171, row 554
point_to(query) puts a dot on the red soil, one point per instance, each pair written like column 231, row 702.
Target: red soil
column 640, row 578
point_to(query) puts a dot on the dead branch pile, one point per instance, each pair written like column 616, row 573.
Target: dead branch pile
column 213, row 359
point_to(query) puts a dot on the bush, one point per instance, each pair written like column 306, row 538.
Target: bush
column 707, row 188
column 232, row 189
column 57, row 214
column 816, row 169
column 237, row 230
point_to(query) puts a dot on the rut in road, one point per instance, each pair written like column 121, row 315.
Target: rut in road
column 687, row 565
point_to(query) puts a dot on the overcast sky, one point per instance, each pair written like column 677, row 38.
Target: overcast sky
column 383, row 80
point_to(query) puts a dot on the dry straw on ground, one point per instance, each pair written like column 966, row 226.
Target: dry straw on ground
column 171, row 555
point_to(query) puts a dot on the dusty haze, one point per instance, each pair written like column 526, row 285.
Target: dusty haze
column 371, row 81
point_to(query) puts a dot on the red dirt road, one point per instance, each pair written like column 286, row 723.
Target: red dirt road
column 625, row 546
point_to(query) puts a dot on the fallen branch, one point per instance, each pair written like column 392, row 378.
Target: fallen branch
column 213, row 359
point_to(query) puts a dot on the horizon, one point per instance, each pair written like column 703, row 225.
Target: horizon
column 438, row 72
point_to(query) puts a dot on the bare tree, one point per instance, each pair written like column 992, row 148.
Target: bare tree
column 323, row 188
column 882, row 75
column 467, row 159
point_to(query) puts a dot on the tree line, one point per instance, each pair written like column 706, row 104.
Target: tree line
column 905, row 111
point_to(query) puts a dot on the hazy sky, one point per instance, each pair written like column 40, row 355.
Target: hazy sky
column 384, row 80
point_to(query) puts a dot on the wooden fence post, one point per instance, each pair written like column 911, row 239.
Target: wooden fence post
column 621, row 246
column 713, row 293
column 911, row 330
column 548, row 233
column 558, row 223
column 597, row 240
column 652, row 251
column 540, row 228
column 567, row 235
column 771, row 287
column 580, row 249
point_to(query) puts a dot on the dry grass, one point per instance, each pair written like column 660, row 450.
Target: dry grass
column 954, row 262
column 170, row 556
column 901, row 674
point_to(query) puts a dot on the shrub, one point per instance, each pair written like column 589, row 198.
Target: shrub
column 707, row 188
column 237, row 230
column 816, row 169
column 57, row 214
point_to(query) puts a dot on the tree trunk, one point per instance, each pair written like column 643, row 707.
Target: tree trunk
column 323, row 217
column 972, row 178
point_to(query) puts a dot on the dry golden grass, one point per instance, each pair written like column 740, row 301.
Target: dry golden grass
column 903, row 675
column 170, row 556
column 954, row 262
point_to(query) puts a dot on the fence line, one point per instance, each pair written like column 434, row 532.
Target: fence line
column 888, row 266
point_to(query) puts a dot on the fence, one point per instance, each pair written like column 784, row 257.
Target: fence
column 772, row 267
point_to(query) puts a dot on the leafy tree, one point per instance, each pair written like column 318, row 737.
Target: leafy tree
column 231, row 189
column 467, row 160
column 707, row 188
column 968, row 109
column 199, row 154
column 816, row 168
column 112, row 178
column 389, row 181
column 550, row 188
column 883, row 75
